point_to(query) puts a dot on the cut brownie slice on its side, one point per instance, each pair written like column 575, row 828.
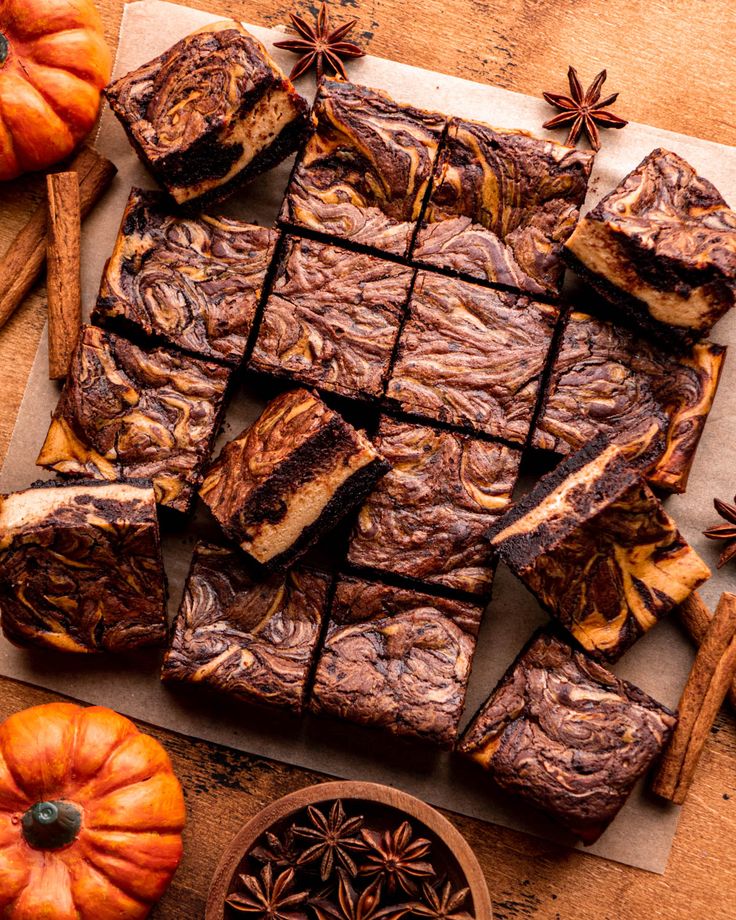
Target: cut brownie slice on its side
column 662, row 249
column 597, row 549
column 193, row 282
column 566, row 736
column 131, row 413
column 427, row 518
column 608, row 379
column 81, row 567
column 332, row 319
column 501, row 207
column 288, row 478
column 363, row 175
column 472, row 357
column 396, row 659
column 251, row 636
column 211, row 112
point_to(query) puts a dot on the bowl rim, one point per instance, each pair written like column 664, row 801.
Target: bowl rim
column 348, row 789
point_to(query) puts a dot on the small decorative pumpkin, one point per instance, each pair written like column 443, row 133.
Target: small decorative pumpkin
column 53, row 64
column 91, row 816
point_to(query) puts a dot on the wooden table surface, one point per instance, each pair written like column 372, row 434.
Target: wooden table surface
column 674, row 62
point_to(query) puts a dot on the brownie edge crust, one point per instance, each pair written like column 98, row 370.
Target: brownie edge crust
column 567, row 736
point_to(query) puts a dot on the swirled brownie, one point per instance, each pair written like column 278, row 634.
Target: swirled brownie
column 251, row 636
column 192, row 282
column 427, row 518
column 81, row 568
column 363, row 174
column 396, row 659
column 288, row 478
column 607, row 378
column 597, row 549
column 132, row 413
column 501, row 207
column 210, row 113
column 568, row 737
column 661, row 248
column 332, row 319
column 472, row 356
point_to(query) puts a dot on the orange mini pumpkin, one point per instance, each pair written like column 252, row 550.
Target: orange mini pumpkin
column 53, row 64
column 91, row 816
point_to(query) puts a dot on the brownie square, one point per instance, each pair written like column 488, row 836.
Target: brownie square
column 567, row 736
column 609, row 379
column 661, row 247
column 81, row 568
column 427, row 518
column 252, row 636
column 286, row 480
column 193, row 283
column 210, row 113
column 597, row 549
column 363, row 174
column 332, row 319
column 396, row 659
column 472, row 357
column 132, row 413
column 501, row 207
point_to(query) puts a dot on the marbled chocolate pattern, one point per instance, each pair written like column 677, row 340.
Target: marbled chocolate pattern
column 251, row 637
column 608, row 379
column 130, row 413
column 427, row 518
column 396, row 659
column 364, row 172
column 502, row 205
column 567, row 736
column 194, row 282
column 472, row 356
column 332, row 319
column 84, row 572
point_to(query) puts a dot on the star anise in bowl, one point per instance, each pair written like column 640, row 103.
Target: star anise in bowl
column 331, row 839
column 396, row 857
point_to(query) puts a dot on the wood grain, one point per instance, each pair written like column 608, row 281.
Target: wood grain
column 674, row 63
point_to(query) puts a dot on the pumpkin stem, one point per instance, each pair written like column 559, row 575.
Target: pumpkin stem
column 51, row 825
column 4, row 49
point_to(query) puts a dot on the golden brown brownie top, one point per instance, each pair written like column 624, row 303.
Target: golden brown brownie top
column 332, row 318
column 363, row 174
column 472, row 356
column 251, row 636
column 193, row 281
column 502, row 205
column 80, row 567
column 127, row 412
column 397, row 659
column 567, row 736
column 199, row 85
column 427, row 518
column 607, row 378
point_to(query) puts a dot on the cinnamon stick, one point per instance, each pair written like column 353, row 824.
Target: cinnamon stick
column 22, row 263
column 696, row 616
column 709, row 680
column 63, row 281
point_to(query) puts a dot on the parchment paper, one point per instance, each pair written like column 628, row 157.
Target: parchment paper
column 642, row 834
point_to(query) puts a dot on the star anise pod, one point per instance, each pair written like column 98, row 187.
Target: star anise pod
column 319, row 45
column 397, row 858
column 354, row 906
column 725, row 531
column 444, row 905
column 281, row 851
column 333, row 837
column 266, row 899
column 583, row 110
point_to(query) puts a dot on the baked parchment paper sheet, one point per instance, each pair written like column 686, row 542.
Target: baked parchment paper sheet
column 642, row 834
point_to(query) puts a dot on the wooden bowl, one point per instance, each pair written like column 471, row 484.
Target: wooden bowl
column 449, row 846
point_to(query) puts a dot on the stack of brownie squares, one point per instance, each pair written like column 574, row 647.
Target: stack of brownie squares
column 414, row 285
